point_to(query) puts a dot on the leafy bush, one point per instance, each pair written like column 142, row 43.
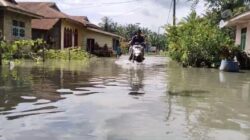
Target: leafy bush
column 195, row 41
column 66, row 54
column 33, row 49
column 21, row 48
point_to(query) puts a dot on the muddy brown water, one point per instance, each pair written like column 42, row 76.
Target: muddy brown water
column 110, row 99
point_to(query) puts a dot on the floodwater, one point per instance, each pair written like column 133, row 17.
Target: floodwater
column 109, row 99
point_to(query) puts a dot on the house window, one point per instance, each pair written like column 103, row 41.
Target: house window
column 68, row 37
column 18, row 28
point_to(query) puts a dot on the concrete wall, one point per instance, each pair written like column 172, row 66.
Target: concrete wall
column 101, row 39
column 238, row 35
column 72, row 25
column 7, row 25
column 52, row 37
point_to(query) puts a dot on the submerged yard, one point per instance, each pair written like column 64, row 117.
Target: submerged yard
column 112, row 99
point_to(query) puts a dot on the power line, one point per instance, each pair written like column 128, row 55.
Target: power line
column 88, row 5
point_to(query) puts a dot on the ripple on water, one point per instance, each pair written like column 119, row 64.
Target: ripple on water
column 30, row 112
column 227, row 135
column 14, row 117
column 28, row 97
column 243, row 124
column 79, row 91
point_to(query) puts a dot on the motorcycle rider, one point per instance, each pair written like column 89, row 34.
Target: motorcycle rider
column 138, row 38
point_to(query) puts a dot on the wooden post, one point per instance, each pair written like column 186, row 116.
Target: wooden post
column 174, row 13
column 1, row 57
column 69, row 55
column 43, row 53
column 1, row 51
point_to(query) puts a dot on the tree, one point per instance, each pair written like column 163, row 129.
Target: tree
column 195, row 40
column 217, row 7
column 106, row 24
column 157, row 40
column 129, row 30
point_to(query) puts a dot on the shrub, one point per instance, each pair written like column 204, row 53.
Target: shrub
column 196, row 40
column 33, row 49
column 21, row 48
column 66, row 54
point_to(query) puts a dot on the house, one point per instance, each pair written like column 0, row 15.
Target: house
column 94, row 35
column 58, row 29
column 242, row 25
column 63, row 31
column 15, row 21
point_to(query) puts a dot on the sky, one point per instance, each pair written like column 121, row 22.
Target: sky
column 148, row 13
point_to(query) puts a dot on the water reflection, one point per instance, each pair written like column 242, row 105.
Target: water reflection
column 136, row 80
column 114, row 99
column 219, row 112
column 32, row 82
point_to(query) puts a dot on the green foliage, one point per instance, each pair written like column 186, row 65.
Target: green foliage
column 66, row 54
column 33, row 49
column 20, row 49
column 158, row 41
column 196, row 40
column 216, row 7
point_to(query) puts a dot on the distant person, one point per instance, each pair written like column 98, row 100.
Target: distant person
column 137, row 39
column 118, row 51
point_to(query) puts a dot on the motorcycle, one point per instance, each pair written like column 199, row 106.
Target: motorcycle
column 137, row 53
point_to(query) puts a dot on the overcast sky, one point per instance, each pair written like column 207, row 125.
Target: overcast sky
column 149, row 13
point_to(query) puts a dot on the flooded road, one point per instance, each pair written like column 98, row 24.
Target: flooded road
column 109, row 99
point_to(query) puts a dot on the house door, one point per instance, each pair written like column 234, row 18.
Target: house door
column 114, row 45
column 90, row 45
column 243, row 38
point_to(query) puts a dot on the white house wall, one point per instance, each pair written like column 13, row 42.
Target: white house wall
column 99, row 38
column 238, row 35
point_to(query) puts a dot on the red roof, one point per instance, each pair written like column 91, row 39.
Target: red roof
column 15, row 7
column 52, row 14
column 43, row 24
column 46, row 9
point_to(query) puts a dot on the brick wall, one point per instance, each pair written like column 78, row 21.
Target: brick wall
column 8, row 18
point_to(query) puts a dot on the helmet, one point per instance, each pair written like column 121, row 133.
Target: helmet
column 139, row 31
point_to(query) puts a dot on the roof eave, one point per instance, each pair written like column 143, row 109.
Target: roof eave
column 242, row 18
column 233, row 23
column 75, row 21
column 33, row 15
column 104, row 32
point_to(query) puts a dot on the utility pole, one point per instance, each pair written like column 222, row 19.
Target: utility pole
column 174, row 12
